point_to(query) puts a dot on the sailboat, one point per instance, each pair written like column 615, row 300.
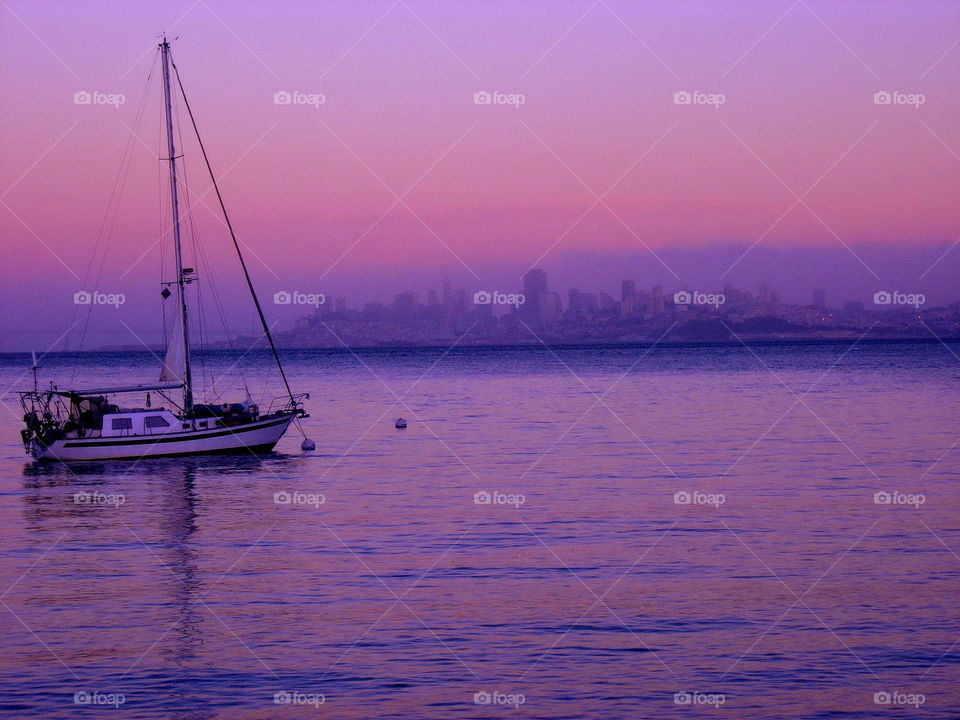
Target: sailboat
column 90, row 424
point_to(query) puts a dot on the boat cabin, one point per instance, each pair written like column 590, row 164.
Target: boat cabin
column 140, row 422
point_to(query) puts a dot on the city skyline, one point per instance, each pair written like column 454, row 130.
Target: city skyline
column 809, row 162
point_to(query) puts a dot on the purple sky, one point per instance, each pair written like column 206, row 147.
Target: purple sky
column 799, row 178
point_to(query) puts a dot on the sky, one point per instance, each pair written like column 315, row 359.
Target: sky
column 385, row 173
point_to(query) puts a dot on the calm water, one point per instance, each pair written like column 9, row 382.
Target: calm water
column 586, row 588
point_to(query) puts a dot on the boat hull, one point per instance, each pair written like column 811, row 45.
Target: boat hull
column 256, row 437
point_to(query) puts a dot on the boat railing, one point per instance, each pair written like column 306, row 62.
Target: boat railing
column 286, row 403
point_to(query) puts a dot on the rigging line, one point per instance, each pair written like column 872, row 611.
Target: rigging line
column 183, row 180
column 233, row 237
column 113, row 207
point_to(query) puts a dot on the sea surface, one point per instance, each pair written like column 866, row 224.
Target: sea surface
column 754, row 532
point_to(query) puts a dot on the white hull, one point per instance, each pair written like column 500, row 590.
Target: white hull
column 254, row 437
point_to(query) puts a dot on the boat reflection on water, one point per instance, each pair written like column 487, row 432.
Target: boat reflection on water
column 126, row 552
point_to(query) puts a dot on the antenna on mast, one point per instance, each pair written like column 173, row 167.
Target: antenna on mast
column 33, row 368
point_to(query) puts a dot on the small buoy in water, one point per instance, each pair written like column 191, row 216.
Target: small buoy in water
column 308, row 445
column 400, row 424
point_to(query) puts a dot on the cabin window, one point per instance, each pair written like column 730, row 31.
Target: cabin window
column 156, row 421
column 121, row 424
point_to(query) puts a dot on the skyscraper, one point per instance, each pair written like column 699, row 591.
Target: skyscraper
column 534, row 285
column 819, row 298
column 573, row 301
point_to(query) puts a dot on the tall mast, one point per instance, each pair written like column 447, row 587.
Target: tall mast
column 182, row 277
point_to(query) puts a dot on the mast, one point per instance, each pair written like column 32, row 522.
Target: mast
column 182, row 275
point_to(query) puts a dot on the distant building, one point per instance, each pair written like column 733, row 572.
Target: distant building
column 573, row 301
column 340, row 305
column 607, row 303
column 405, row 305
column 588, row 302
column 549, row 309
column 819, row 298
column 534, row 285
column 628, row 298
column 768, row 298
column 432, row 298
column 656, row 301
